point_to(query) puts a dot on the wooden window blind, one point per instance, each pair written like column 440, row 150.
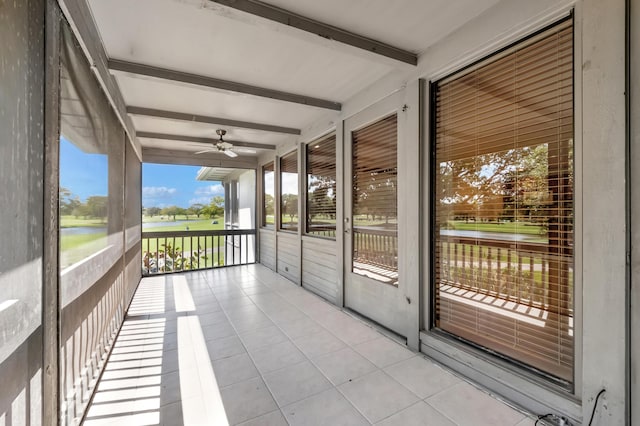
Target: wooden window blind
column 503, row 207
column 321, row 187
column 268, row 194
column 375, row 200
column 289, row 191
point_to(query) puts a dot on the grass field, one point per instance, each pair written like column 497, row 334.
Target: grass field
column 505, row 227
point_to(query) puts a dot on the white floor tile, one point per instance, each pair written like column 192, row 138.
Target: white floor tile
column 326, row 408
column 274, row 357
column 223, row 348
column 234, row 369
column 343, row 365
column 245, row 317
column 318, row 344
column 421, row 376
column 246, row 400
column 466, row 405
column 296, row 382
column 274, row 418
column 301, row 327
column 419, row 414
column 377, row 395
column 262, row 337
column 383, row 351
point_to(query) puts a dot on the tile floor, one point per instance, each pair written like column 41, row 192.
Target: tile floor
column 245, row 346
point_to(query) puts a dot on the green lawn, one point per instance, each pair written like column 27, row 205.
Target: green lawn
column 186, row 244
column 506, row 227
column 194, row 225
column 73, row 222
column 165, row 218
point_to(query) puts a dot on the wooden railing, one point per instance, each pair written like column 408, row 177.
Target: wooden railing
column 175, row 251
column 376, row 247
column 328, row 231
column 524, row 272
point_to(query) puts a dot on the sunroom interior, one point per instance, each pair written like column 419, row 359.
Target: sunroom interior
column 450, row 181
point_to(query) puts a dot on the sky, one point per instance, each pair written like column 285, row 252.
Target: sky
column 86, row 174
column 168, row 185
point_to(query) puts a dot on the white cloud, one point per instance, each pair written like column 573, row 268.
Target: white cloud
column 157, row 192
column 200, row 200
column 158, row 196
column 210, row 190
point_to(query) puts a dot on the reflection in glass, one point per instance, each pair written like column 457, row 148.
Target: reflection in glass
column 289, row 192
column 503, row 198
column 84, row 181
column 269, row 193
column 321, row 187
column 375, row 201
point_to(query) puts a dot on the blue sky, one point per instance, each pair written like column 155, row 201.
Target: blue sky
column 83, row 174
column 167, row 185
column 162, row 185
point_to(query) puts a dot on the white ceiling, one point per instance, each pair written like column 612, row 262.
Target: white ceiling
column 204, row 38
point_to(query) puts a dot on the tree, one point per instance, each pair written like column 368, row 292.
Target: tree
column 171, row 211
column 68, row 202
column 290, row 205
column 268, row 205
column 97, row 206
column 153, row 211
column 216, row 207
column 196, row 209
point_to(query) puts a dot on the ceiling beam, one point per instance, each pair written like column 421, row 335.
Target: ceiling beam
column 285, row 17
column 211, row 159
column 172, row 115
column 182, row 138
column 199, row 80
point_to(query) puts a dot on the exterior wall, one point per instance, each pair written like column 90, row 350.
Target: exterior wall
column 320, row 268
column 288, row 260
column 22, row 67
column 601, row 346
column 267, row 251
column 247, row 200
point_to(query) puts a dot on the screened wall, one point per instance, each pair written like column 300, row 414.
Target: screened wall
column 99, row 235
column 503, row 188
column 321, row 187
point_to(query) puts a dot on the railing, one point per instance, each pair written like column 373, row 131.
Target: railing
column 174, row 251
column 377, row 248
column 328, row 231
column 524, row 272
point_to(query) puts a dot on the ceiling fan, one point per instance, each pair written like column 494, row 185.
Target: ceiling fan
column 225, row 147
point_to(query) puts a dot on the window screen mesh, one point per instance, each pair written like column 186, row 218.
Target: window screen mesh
column 503, row 246
column 321, row 187
column 375, row 204
column 289, row 192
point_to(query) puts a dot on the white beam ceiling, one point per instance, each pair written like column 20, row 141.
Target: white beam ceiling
column 208, row 65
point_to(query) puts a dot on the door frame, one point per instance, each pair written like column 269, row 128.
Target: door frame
column 407, row 104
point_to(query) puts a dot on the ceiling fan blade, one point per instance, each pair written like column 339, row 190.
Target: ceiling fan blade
column 245, row 150
column 230, row 153
column 206, row 150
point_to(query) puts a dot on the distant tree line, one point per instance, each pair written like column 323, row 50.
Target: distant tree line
column 214, row 209
column 96, row 206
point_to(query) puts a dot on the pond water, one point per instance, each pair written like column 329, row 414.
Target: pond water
column 83, row 230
